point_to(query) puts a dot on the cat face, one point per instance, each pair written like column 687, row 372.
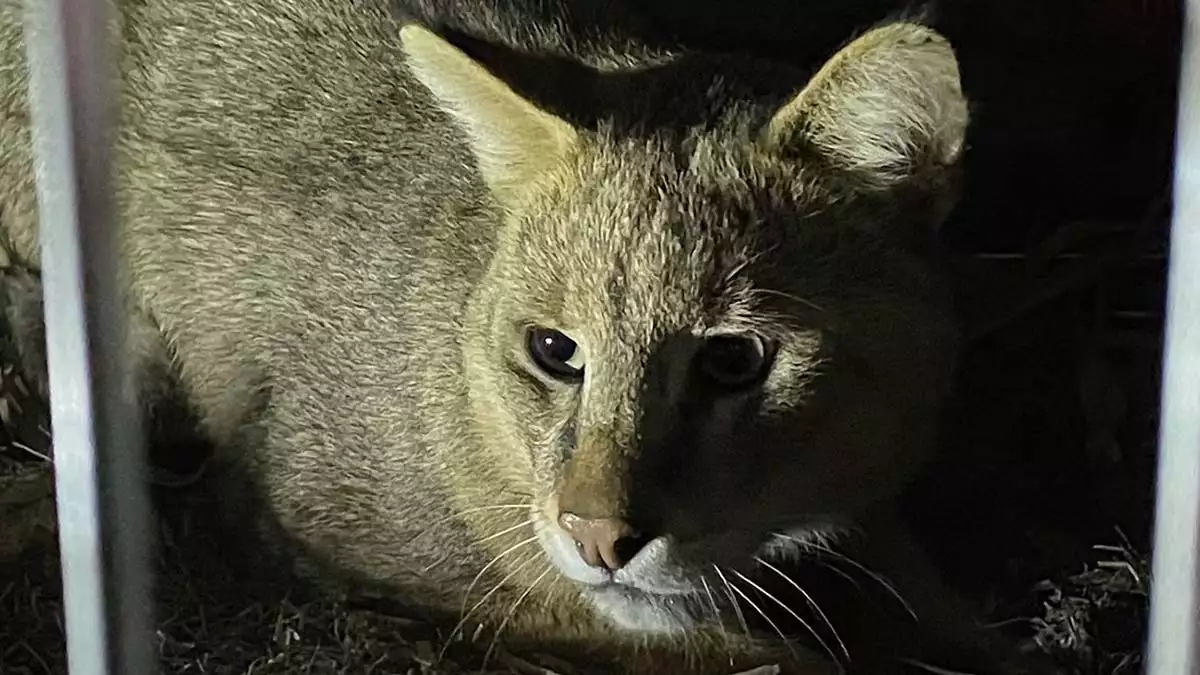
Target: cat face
column 697, row 349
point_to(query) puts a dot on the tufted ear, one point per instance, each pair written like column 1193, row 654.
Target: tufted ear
column 512, row 139
column 888, row 108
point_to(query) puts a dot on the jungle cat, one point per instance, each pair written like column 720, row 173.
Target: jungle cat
column 613, row 371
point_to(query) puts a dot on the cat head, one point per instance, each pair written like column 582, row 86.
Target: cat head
column 698, row 344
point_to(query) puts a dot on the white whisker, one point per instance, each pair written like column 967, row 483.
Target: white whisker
column 716, row 613
column 733, row 601
column 712, row 601
column 789, row 296
column 493, row 507
column 763, row 614
column 840, row 572
column 933, row 669
column 794, row 615
column 876, row 577
column 512, row 612
column 458, row 514
column 812, row 603
column 493, row 561
column 506, row 530
column 500, row 584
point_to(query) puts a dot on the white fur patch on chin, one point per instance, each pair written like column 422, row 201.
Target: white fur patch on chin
column 639, row 612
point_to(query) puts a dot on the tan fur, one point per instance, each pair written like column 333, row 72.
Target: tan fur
column 18, row 207
column 608, row 35
column 341, row 229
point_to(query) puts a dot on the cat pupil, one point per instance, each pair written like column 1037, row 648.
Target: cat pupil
column 559, row 346
column 733, row 360
column 553, row 351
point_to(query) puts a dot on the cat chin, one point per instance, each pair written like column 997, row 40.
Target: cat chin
column 637, row 611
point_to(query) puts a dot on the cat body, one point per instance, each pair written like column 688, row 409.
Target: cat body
column 585, row 376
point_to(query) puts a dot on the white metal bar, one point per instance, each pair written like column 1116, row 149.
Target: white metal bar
column 102, row 515
column 1175, row 603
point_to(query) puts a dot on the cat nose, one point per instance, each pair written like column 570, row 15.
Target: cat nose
column 603, row 542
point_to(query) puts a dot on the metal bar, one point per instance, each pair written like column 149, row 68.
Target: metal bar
column 1175, row 603
column 101, row 497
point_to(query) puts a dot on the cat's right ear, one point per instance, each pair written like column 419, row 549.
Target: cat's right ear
column 512, row 139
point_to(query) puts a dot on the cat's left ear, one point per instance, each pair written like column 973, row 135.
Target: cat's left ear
column 887, row 109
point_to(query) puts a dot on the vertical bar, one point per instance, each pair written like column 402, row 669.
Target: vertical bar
column 1175, row 603
column 101, row 497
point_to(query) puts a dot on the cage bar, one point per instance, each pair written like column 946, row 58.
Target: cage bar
column 1175, row 603
column 101, row 498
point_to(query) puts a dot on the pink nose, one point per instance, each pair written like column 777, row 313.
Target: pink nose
column 603, row 542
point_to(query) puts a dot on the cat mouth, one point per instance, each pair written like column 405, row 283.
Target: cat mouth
column 630, row 590
column 650, row 574
column 644, row 605
column 637, row 588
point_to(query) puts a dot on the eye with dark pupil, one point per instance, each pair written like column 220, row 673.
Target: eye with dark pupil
column 733, row 361
column 555, row 353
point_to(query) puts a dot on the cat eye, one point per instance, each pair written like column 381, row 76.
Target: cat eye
column 555, row 353
column 734, row 361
